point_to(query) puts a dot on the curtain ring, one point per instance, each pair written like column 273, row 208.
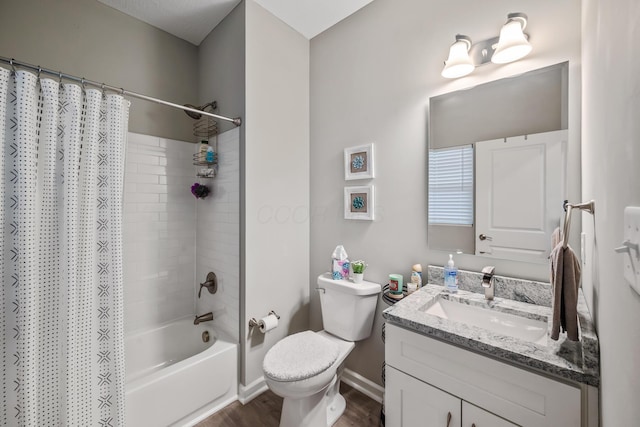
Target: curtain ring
column 121, row 91
column 83, row 84
column 60, row 78
column 13, row 68
column 39, row 71
column 104, row 94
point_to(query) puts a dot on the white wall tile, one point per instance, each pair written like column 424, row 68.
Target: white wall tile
column 172, row 240
column 218, row 238
column 159, row 235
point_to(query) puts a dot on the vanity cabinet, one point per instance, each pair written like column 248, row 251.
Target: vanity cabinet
column 413, row 403
column 426, row 379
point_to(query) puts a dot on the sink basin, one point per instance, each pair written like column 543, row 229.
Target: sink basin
column 523, row 328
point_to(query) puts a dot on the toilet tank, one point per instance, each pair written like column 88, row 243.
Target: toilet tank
column 348, row 309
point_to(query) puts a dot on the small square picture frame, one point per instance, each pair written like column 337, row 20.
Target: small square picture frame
column 359, row 202
column 358, row 162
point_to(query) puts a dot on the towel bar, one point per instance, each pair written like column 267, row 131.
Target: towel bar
column 568, row 207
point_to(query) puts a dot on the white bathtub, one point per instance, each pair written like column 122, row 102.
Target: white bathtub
column 176, row 379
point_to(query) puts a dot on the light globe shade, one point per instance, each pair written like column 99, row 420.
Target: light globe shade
column 459, row 63
column 513, row 43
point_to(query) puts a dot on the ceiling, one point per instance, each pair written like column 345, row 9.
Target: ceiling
column 193, row 20
column 311, row 17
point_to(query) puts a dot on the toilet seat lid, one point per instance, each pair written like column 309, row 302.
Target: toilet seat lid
column 299, row 356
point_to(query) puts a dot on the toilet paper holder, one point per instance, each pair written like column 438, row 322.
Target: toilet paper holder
column 253, row 322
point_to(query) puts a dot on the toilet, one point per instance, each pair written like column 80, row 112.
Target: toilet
column 305, row 368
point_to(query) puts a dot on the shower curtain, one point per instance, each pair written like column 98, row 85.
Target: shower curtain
column 61, row 183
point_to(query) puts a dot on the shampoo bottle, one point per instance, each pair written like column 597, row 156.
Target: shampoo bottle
column 211, row 155
column 202, row 151
column 451, row 276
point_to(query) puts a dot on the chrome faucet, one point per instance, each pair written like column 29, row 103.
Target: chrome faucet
column 203, row 318
column 487, row 282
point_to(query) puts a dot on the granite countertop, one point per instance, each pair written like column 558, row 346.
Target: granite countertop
column 564, row 359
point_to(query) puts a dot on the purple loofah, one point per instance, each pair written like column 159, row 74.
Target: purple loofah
column 199, row 190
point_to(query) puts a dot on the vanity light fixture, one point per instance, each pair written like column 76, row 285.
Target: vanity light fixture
column 459, row 62
column 511, row 45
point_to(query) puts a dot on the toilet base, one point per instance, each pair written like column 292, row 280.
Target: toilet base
column 336, row 404
column 319, row 410
column 335, row 409
column 310, row 411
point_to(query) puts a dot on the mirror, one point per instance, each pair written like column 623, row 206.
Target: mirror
column 497, row 166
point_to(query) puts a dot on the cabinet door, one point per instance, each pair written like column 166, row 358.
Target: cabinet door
column 412, row 403
column 472, row 416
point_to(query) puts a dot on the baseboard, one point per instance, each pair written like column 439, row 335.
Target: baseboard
column 247, row 393
column 363, row 385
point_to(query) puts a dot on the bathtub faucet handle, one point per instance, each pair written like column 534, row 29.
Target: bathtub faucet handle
column 211, row 284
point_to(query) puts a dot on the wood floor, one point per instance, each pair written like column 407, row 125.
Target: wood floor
column 264, row 411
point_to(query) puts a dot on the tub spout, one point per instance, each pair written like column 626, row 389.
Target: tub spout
column 203, row 318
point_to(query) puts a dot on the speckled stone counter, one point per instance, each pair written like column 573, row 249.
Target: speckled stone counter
column 574, row 361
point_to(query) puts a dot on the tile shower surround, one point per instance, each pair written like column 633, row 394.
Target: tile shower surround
column 162, row 266
column 218, row 238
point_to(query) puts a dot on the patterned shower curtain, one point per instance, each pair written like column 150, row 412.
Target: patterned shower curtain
column 61, row 181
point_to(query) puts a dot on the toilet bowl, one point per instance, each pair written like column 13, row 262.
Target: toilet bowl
column 309, row 389
column 305, row 368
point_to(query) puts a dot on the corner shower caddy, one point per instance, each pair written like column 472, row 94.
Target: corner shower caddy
column 206, row 128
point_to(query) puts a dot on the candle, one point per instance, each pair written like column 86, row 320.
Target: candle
column 395, row 284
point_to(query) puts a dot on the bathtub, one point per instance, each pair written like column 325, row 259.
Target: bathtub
column 173, row 378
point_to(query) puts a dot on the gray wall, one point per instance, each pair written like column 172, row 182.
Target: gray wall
column 276, row 187
column 221, row 58
column 88, row 39
column 371, row 78
column 611, row 154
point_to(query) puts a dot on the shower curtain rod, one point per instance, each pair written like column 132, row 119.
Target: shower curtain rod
column 13, row 63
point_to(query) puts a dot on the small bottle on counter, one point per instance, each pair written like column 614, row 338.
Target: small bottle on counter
column 451, row 276
column 416, row 275
column 416, row 279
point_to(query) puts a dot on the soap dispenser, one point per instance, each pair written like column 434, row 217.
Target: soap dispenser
column 451, row 276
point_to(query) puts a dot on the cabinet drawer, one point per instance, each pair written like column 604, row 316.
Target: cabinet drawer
column 515, row 394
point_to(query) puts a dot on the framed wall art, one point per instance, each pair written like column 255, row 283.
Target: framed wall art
column 359, row 202
column 358, row 162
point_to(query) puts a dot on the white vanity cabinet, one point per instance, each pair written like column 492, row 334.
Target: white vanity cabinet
column 413, row 403
column 426, row 379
